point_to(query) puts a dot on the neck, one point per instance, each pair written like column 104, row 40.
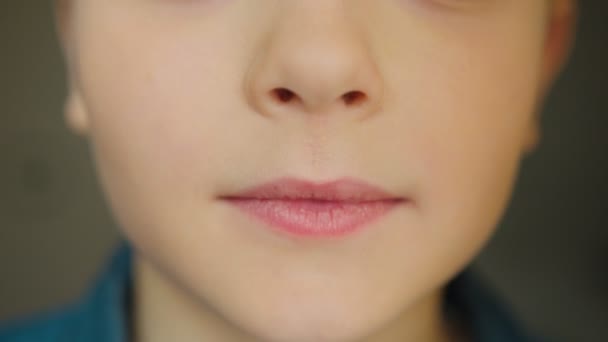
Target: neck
column 165, row 312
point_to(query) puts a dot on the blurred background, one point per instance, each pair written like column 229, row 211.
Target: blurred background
column 549, row 257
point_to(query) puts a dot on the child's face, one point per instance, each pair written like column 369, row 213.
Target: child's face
column 176, row 97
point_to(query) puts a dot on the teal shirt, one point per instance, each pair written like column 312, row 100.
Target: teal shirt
column 102, row 314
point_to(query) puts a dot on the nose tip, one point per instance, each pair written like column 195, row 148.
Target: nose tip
column 312, row 67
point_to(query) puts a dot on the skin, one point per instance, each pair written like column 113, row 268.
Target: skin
column 176, row 100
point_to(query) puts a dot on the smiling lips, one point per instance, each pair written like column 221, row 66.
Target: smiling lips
column 306, row 209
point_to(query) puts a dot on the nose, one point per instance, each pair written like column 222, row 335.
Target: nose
column 313, row 61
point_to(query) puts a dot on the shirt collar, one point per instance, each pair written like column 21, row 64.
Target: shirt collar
column 106, row 308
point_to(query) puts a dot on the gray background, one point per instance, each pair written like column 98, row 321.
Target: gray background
column 549, row 257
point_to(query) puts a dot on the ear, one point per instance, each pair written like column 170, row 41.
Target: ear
column 559, row 40
column 75, row 113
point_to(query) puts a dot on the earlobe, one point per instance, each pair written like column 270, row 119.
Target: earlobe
column 76, row 116
column 559, row 39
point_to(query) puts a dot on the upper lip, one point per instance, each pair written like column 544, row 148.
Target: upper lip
column 342, row 190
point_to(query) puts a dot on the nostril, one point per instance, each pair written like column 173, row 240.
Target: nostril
column 354, row 97
column 283, row 94
column 350, row 98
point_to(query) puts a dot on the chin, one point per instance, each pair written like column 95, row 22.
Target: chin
column 318, row 328
column 335, row 317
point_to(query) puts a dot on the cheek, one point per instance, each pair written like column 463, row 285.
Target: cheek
column 474, row 133
column 467, row 103
column 157, row 115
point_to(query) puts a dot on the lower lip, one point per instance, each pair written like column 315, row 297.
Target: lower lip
column 314, row 218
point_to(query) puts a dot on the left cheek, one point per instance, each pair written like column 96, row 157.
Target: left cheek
column 477, row 149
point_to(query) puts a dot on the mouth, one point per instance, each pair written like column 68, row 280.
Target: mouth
column 304, row 208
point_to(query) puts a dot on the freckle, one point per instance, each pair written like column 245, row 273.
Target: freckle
column 317, row 142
